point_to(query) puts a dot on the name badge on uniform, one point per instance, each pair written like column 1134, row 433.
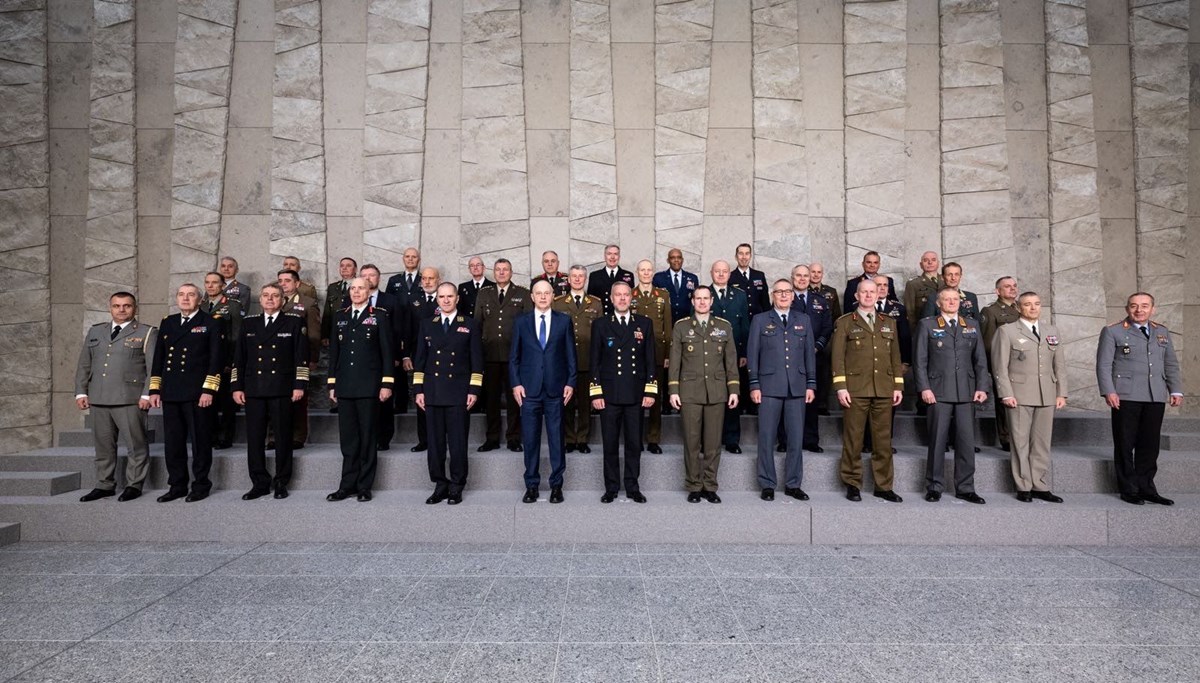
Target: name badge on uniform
column 284, row 334
column 343, row 323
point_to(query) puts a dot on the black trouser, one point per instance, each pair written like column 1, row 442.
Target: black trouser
column 824, row 382
column 1136, row 428
column 617, row 421
column 226, row 411
column 274, row 412
column 385, row 422
column 448, row 426
column 357, row 420
column 184, row 421
column 422, row 426
column 498, row 392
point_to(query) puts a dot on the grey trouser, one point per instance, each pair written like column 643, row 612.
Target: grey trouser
column 108, row 423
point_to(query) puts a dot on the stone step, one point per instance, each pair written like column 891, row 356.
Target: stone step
column 1180, row 442
column 1075, row 469
column 499, row 516
column 10, row 532
column 83, row 437
column 38, row 483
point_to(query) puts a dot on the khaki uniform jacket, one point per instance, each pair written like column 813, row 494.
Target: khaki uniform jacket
column 866, row 362
column 306, row 308
column 703, row 368
column 116, row 372
column 582, row 315
column 1031, row 370
column 993, row 316
column 496, row 321
column 657, row 307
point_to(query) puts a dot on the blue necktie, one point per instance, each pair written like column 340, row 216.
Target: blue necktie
column 542, row 331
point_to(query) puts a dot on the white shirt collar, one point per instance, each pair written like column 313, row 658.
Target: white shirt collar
column 951, row 321
column 1029, row 325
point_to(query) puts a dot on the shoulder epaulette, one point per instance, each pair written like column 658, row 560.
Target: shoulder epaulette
column 102, row 324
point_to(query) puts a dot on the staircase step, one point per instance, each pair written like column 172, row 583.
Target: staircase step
column 499, row 516
column 10, row 533
column 37, row 483
column 83, row 437
column 1180, row 442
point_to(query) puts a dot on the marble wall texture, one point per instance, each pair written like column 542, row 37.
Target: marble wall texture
column 141, row 139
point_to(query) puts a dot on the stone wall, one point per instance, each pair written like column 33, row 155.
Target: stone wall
column 1050, row 139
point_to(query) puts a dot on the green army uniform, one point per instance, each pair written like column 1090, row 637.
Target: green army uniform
column 577, row 415
column 917, row 292
column 655, row 305
column 991, row 318
column 704, row 373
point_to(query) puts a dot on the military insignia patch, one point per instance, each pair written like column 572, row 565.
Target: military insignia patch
column 1052, row 340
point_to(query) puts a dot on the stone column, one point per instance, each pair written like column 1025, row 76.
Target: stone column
column 397, row 63
column 343, row 54
column 682, row 69
column 1191, row 312
column 1159, row 59
column 441, row 194
column 729, row 153
column 298, row 157
column 975, row 184
column 632, row 33
column 25, row 230
column 922, row 123
column 110, row 245
column 781, row 231
column 821, row 35
column 495, row 187
column 876, row 98
column 1076, row 239
column 546, row 29
column 203, row 65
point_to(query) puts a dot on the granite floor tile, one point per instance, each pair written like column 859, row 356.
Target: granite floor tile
column 49, row 562
column 772, row 549
column 784, row 625
column 370, row 590
column 818, row 566
column 478, row 548
column 606, row 548
column 174, row 547
column 587, row 624
column 180, row 564
column 537, row 564
column 290, row 547
column 542, row 548
column 864, row 626
column 675, row 566
column 746, row 593
column 90, row 661
column 209, row 662
column 717, row 663
column 59, row 621
column 791, row 664
column 543, row 591
column 401, row 662
column 909, row 662
column 744, row 566
column 504, row 663
column 970, row 627
column 1182, row 625
column 1057, row 626
column 37, row 546
column 392, row 564
column 468, row 564
column 306, row 662
column 171, row 621
column 585, row 663
column 507, row 623
column 292, row 564
column 1162, row 567
column 449, row 591
column 606, row 565
column 1161, row 663
column 669, row 549
column 358, row 623
column 426, row 623
column 890, row 566
column 18, row 655
column 699, row 623
column 257, row 590
column 414, row 548
column 849, row 593
column 612, row 592
column 103, row 589
column 665, row 593
column 1099, row 593
column 26, row 587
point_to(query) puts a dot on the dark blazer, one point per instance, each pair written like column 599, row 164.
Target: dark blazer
column 187, row 358
column 622, row 360
column 681, row 299
column 755, row 287
column 398, row 287
column 419, row 308
column 334, row 296
column 968, row 306
column 951, row 361
column 560, row 284
column 782, row 361
column 447, row 365
column 600, row 285
column 361, row 359
column 271, row 361
column 736, row 311
column 496, row 319
column 899, row 313
column 467, row 294
column 542, row 372
column 819, row 315
column 849, row 303
column 397, row 320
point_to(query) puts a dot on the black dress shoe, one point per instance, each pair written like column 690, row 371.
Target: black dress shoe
column 270, row 445
column 281, row 492
column 1047, row 496
column 1025, row 496
column 733, row 448
column 654, row 448
column 96, row 494
column 333, row 409
column 712, row 496
column 584, row 448
column 194, row 497
column 436, row 498
column 454, row 499
column 971, row 497
column 1155, row 498
column 488, row 446
column 364, row 497
column 635, row 496
column 823, row 411
column 337, row 495
column 977, row 449
column 298, row 446
column 170, row 496
column 1005, row 447
column 129, row 494
column 781, row 448
column 814, row 449
column 419, row 448
column 889, row 496
column 797, row 493
column 384, row 447
column 515, row 446
column 1130, row 498
column 254, row 494
column 569, row 448
column 767, row 494
column 853, row 494
column 694, row 497
column 222, row 445
column 531, row 496
column 556, row 495
column 608, row 497
column 933, row 496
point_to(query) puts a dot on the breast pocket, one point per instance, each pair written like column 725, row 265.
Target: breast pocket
column 1122, row 382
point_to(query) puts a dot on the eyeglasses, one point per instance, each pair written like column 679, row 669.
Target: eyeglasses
column 781, row 291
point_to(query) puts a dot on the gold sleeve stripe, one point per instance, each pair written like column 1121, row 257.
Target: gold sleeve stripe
column 651, row 387
column 387, row 379
column 732, row 382
column 899, row 380
column 155, row 383
column 839, row 378
column 596, row 390
column 233, row 375
column 476, row 379
column 302, row 372
column 212, row 382
column 673, row 382
column 418, row 378
column 331, row 381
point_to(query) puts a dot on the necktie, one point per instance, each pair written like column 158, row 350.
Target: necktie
column 115, row 332
column 721, row 295
column 476, row 286
column 183, row 319
column 502, row 297
column 542, row 331
column 578, row 300
column 871, row 320
column 429, row 298
column 270, row 320
column 410, row 280
column 1035, row 333
column 703, row 326
column 1145, row 331
column 624, row 322
column 879, row 306
column 783, row 319
column 445, row 324
column 676, row 282
column 612, row 274
column 356, row 315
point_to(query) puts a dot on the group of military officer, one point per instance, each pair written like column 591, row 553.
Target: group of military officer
column 607, row 341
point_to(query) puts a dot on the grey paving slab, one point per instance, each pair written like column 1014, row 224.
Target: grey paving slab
column 540, row 564
column 504, row 663
column 59, row 621
column 215, row 662
column 369, row 590
column 450, row 590
column 720, row 663
column 357, row 623
column 606, row 548
column 309, row 662
column 182, row 564
column 170, row 622
column 751, row 593
column 100, row 589
column 783, row 624
column 605, row 565
column 426, row 623
column 815, row 566
column 675, row 566
column 1161, row 567
column 18, row 655
column 415, row 548
column 469, row 564
column 401, row 662
column 395, row 564
column 791, row 664
column 909, row 662
column 610, row 592
column 547, row 548
column 695, row 623
column 745, row 566
column 509, row 623
column 587, row 662
column 257, row 590
column 90, row 661
column 848, row 593
column 547, row 591
column 280, row 564
column 610, row 624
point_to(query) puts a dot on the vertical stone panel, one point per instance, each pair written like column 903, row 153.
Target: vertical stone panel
column 1076, row 239
column 298, row 145
column 25, row 229
column 876, row 84
column 682, row 71
column 593, row 145
column 1191, row 316
column 110, row 244
column 203, row 66
column 397, row 65
column 781, row 229
column 976, row 230
column 1159, row 67
column 495, row 185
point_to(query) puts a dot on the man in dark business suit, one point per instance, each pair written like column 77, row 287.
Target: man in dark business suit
column 870, row 264
column 270, row 374
column 469, row 290
column 732, row 305
column 751, row 281
column 783, row 380
column 447, row 376
column 679, row 283
column 184, row 387
column 601, row 280
column 541, row 372
column 624, row 381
